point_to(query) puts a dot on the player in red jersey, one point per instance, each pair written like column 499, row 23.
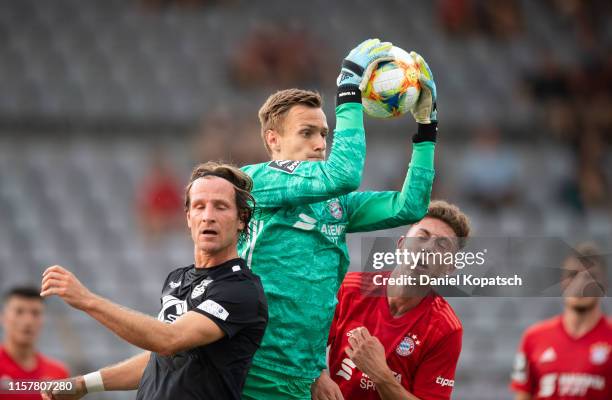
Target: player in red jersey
column 400, row 344
column 22, row 321
column 569, row 357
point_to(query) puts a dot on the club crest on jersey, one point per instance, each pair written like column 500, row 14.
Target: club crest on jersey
column 287, row 166
column 599, row 353
column 335, row 209
column 172, row 309
column 200, row 289
column 407, row 345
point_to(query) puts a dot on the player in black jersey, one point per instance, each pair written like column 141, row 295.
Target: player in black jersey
column 213, row 313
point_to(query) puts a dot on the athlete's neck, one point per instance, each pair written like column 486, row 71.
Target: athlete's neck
column 577, row 324
column 400, row 305
column 403, row 298
column 24, row 355
column 208, row 260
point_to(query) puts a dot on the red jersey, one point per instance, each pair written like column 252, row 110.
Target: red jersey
column 552, row 365
column 46, row 369
column 422, row 346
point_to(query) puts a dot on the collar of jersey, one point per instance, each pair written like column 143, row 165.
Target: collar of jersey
column 219, row 269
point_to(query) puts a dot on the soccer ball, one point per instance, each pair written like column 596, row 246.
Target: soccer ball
column 393, row 87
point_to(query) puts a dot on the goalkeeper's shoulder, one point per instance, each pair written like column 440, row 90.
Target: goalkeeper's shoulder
column 280, row 167
column 252, row 169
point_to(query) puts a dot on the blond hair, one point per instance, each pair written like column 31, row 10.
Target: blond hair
column 276, row 107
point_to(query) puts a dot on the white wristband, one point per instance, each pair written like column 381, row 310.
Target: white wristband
column 93, row 382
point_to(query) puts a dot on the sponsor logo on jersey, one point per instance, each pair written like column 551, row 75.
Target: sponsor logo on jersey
column 306, row 222
column 200, row 289
column 548, row 356
column 287, row 166
column 214, row 308
column 331, row 231
column 407, row 345
column 172, row 309
column 335, row 208
column 366, row 383
column 445, row 382
column 174, row 285
column 570, row 384
column 599, row 353
column 346, row 369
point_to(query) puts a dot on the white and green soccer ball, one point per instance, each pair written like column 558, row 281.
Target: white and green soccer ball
column 393, row 87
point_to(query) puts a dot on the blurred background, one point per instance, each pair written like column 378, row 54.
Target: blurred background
column 105, row 106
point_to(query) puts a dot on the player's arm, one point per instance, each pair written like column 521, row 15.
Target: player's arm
column 522, row 379
column 368, row 354
column 125, row 375
column 370, row 211
column 434, row 378
column 190, row 330
column 314, row 181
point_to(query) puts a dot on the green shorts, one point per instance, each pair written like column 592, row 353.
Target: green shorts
column 263, row 384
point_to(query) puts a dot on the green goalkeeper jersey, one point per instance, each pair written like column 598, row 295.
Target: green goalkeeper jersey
column 297, row 242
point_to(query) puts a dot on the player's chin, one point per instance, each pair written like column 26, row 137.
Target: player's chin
column 580, row 303
column 209, row 244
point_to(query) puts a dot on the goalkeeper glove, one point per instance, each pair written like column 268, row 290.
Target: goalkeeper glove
column 361, row 61
column 425, row 109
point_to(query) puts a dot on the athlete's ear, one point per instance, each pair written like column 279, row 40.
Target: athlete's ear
column 400, row 242
column 241, row 224
column 273, row 140
column 188, row 219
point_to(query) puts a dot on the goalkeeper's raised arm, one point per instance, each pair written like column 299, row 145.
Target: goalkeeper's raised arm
column 370, row 211
column 294, row 129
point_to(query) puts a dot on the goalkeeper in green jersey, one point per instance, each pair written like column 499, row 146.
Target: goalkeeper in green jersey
column 307, row 204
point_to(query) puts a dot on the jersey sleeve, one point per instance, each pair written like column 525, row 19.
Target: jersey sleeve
column 371, row 211
column 435, row 376
column 521, row 378
column 232, row 306
column 289, row 183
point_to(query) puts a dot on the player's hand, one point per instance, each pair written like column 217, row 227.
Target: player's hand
column 425, row 109
column 367, row 353
column 77, row 392
column 59, row 281
column 324, row 388
column 361, row 61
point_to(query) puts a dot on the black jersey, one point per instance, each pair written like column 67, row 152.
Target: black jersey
column 232, row 297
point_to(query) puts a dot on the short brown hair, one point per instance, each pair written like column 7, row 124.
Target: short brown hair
column 27, row 292
column 275, row 108
column 243, row 184
column 589, row 254
column 453, row 217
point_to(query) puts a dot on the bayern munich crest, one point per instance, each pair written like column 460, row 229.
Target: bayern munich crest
column 407, row 345
column 335, row 209
column 599, row 353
